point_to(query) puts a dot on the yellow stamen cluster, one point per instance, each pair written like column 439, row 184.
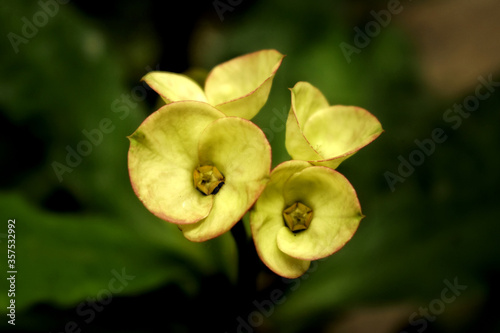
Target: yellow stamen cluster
column 208, row 179
column 298, row 217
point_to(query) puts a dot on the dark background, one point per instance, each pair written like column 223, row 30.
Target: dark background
column 82, row 64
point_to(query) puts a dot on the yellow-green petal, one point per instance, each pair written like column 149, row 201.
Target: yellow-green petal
column 265, row 229
column 336, row 213
column 241, row 152
column 306, row 99
column 240, row 87
column 174, row 87
column 228, row 208
column 296, row 144
column 338, row 132
column 326, row 135
column 162, row 156
column 266, row 221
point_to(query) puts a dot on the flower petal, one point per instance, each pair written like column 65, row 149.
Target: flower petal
column 338, row 132
column 240, row 87
column 326, row 135
column 266, row 220
column 267, row 228
column 174, row 87
column 336, row 213
column 162, row 157
column 306, row 100
column 241, row 152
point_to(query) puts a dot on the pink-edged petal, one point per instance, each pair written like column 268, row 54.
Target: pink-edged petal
column 174, row 87
column 306, row 100
column 339, row 131
column 241, row 152
column 326, row 135
column 336, row 213
column 266, row 221
column 162, row 156
column 240, row 87
column 265, row 229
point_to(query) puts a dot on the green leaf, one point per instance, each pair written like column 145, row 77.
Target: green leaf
column 69, row 89
column 62, row 259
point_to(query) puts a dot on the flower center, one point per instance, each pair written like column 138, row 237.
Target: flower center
column 298, row 217
column 207, row 179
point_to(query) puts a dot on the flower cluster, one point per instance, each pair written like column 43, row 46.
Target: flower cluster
column 200, row 163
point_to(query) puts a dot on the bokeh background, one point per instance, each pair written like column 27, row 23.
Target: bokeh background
column 91, row 258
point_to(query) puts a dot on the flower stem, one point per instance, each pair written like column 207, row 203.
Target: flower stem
column 247, row 261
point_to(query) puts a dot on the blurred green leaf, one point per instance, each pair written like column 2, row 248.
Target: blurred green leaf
column 66, row 85
column 62, row 258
